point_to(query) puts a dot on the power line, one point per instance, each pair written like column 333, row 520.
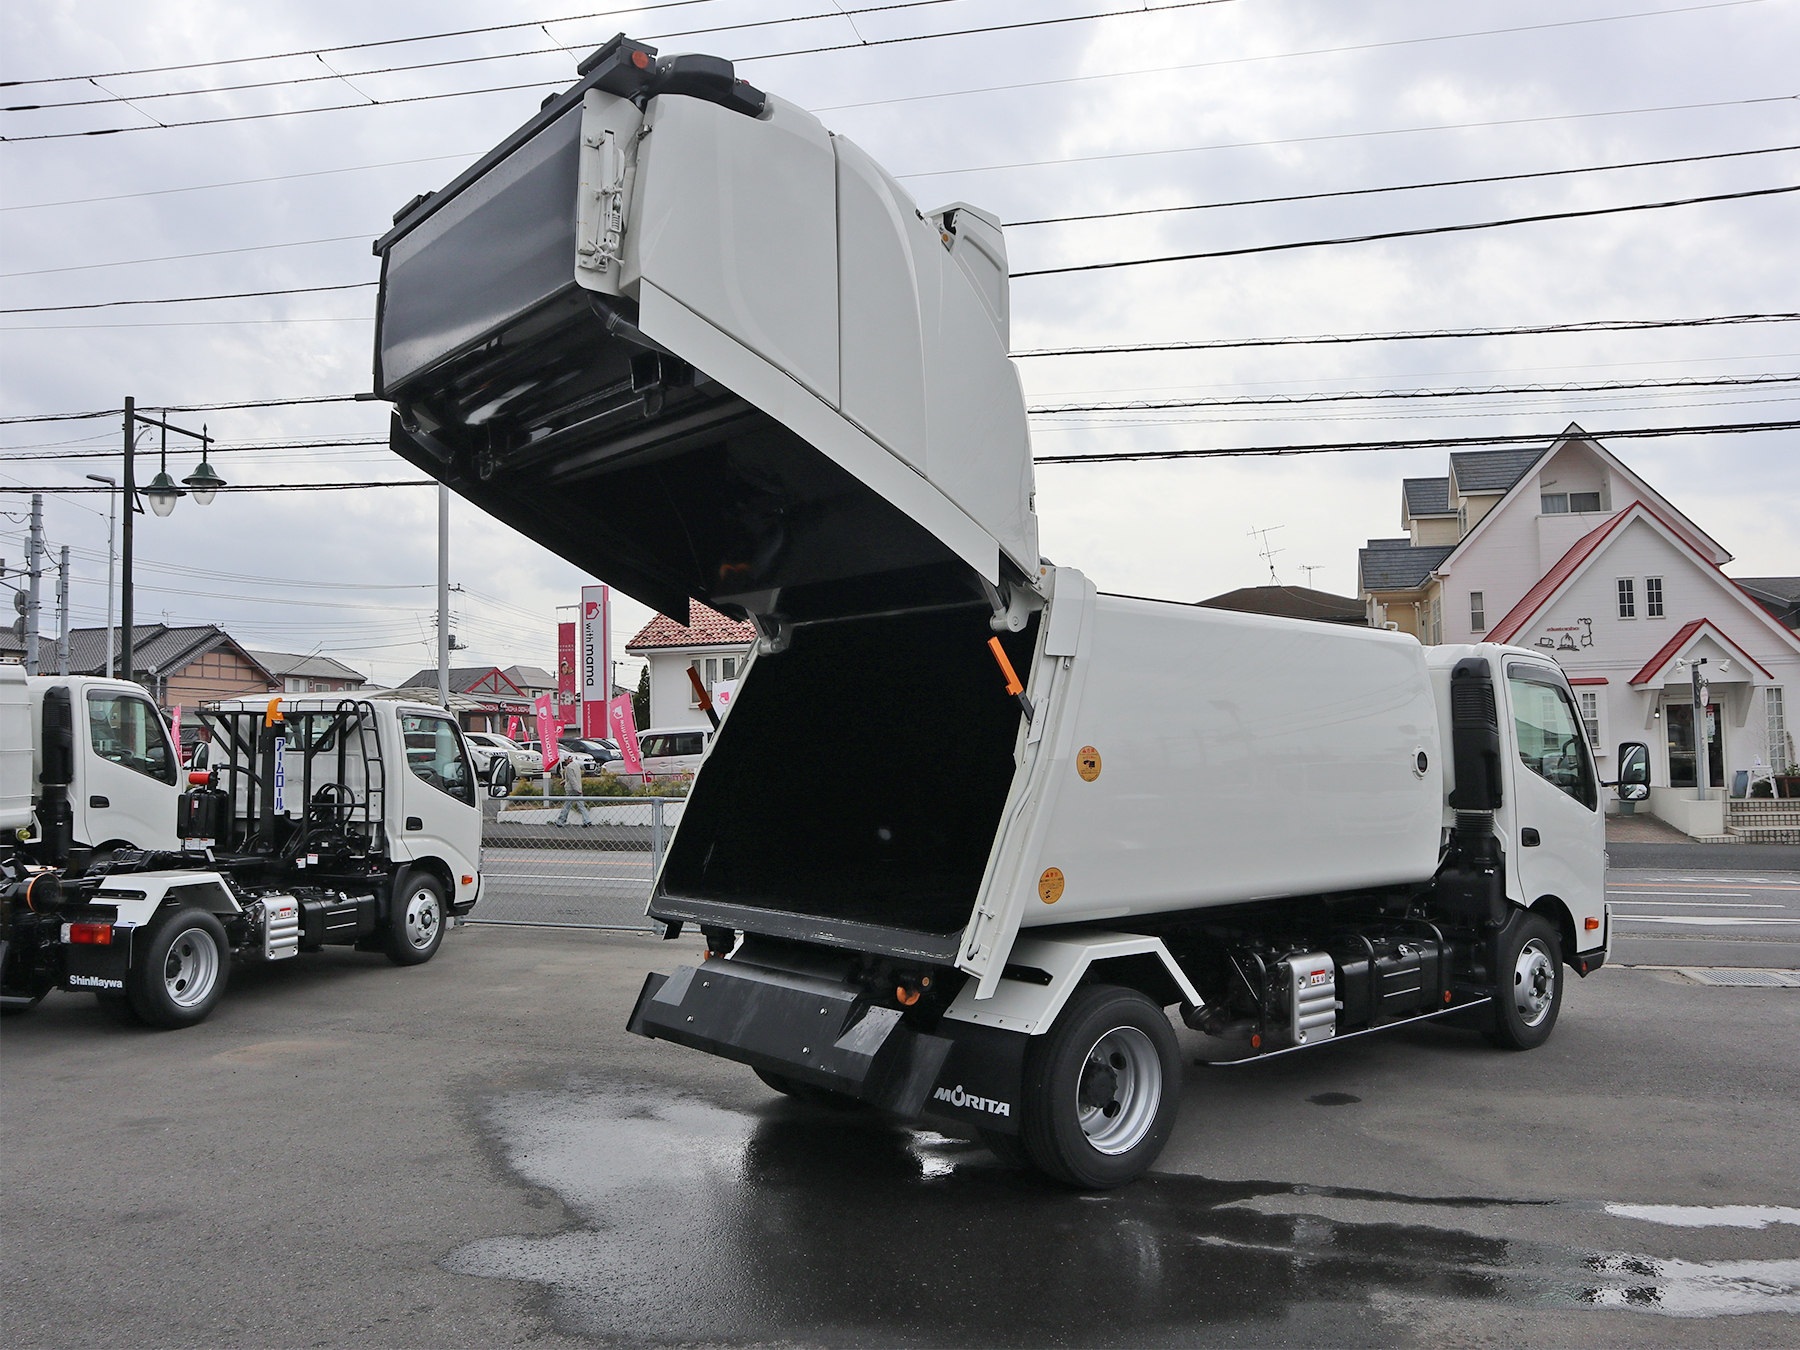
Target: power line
column 1326, row 339
column 1430, row 443
column 185, row 408
column 1364, row 395
column 539, row 84
column 1342, row 136
column 459, row 61
column 191, row 299
column 251, row 487
column 1405, row 234
column 1397, row 187
column 180, row 257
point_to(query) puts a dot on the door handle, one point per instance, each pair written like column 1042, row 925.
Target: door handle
column 1528, row 838
column 414, row 823
column 98, row 801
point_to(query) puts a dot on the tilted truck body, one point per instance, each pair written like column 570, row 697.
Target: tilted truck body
column 319, row 821
column 695, row 343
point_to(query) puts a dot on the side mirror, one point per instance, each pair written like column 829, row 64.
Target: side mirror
column 1634, row 771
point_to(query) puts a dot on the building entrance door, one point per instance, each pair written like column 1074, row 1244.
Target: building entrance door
column 1679, row 718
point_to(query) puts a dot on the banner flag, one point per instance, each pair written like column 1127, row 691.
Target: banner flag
column 515, row 729
column 175, row 727
column 596, row 658
column 568, row 687
column 622, row 727
column 722, row 691
column 549, row 730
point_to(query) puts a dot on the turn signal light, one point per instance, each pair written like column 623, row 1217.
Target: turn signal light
column 468, row 881
column 906, row 997
column 99, row 934
column 1590, row 924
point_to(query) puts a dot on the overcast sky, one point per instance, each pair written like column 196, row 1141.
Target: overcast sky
column 1175, row 106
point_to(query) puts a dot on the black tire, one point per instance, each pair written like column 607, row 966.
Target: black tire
column 1008, row 1148
column 1528, row 986
column 416, row 920
column 806, row 1092
column 118, row 1009
column 1102, row 1089
column 182, row 971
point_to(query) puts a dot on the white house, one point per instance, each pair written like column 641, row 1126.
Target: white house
column 1566, row 550
column 718, row 645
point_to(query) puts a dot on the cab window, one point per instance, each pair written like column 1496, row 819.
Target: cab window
column 1549, row 733
column 127, row 730
column 434, row 753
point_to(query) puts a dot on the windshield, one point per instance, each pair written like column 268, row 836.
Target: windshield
column 434, row 753
column 1551, row 743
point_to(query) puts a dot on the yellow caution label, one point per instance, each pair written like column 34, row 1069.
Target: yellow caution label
column 1087, row 763
column 1050, row 885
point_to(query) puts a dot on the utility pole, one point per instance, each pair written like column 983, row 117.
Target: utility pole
column 62, row 613
column 443, row 596
column 1702, row 742
column 34, row 569
column 112, row 520
column 128, row 492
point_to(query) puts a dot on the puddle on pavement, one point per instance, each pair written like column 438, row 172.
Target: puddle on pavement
column 799, row 1223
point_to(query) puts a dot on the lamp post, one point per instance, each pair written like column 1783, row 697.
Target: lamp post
column 112, row 518
column 162, row 494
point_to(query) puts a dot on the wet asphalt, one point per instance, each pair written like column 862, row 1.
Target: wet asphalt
column 473, row 1152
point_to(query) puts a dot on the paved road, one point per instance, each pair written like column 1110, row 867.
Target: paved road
column 474, row 1153
column 1671, row 917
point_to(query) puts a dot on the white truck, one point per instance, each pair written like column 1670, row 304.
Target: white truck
column 699, row 345
column 317, row 821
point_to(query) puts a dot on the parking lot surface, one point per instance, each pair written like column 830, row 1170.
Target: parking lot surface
column 474, row 1152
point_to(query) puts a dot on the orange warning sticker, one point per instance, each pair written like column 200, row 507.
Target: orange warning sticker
column 1050, row 885
column 1087, row 763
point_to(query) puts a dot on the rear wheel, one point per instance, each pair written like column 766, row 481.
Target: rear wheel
column 1529, row 993
column 1101, row 1089
column 416, row 922
column 183, row 971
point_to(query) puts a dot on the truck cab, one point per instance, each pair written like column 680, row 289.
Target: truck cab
column 128, row 778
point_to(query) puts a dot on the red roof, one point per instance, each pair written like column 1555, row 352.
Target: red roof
column 707, row 628
column 1675, row 644
column 1535, row 598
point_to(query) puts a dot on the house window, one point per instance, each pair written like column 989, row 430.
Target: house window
column 1554, row 504
column 1775, row 711
column 1653, row 607
column 1437, row 621
column 1590, row 714
column 729, row 664
column 1477, row 613
column 712, row 671
column 1462, row 520
column 1627, row 598
column 1584, row 501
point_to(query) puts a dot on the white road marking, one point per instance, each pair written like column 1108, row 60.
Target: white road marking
column 1701, row 904
column 1709, row 920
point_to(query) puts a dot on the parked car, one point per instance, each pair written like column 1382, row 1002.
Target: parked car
column 485, row 746
column 598, row 748
column 672, row 752
column 588, row 764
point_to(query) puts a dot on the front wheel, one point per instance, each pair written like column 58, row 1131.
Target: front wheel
column 185, row 965
column 416, row 921
column 1528, row 994
column 1101, row 1089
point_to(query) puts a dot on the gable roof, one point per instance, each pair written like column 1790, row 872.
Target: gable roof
column 1488, row 471
column 1654, row 666
column 1548, row 584
column 530, row 677
column 1396, row 565
column 706, row 627
column 315, row 667
column 1427, row 496
column 1779, row 595
column 488, row 681
column 156, row 648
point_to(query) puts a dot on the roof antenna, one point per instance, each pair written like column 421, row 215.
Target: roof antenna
column 1266, row 553
column 1309, row 569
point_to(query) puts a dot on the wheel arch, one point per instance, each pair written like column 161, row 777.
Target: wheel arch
column 1560, row 918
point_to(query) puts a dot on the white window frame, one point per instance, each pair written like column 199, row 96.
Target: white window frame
column 1477, row 612
column 1775, row 716
column 1625, row 592
column 1545, row 500
column 1653, row 598
column 1584, row 511
column 1437, row 620
column 1587, row 699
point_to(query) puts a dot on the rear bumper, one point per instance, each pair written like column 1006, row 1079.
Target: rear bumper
column 808, row 1029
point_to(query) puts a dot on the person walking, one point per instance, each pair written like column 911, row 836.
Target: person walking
column 569, row 770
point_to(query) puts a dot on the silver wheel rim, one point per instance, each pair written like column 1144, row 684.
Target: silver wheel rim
column 191, row 968
column 1119, row 1090
column 1534, row 982
column 421, row 920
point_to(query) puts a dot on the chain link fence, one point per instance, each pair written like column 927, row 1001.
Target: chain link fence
column 571, row 861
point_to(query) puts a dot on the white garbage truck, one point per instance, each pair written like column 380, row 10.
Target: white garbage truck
column 699, row 345
column 317, row 821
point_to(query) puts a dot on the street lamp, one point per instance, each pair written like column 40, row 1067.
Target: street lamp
column 162, row 493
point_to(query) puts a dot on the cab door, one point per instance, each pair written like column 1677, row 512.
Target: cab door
column 128, row 790
column 1556, row 828
column 440, row 816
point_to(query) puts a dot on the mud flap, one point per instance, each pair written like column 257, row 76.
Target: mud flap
column 812, row 1030
column 982, row 1080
